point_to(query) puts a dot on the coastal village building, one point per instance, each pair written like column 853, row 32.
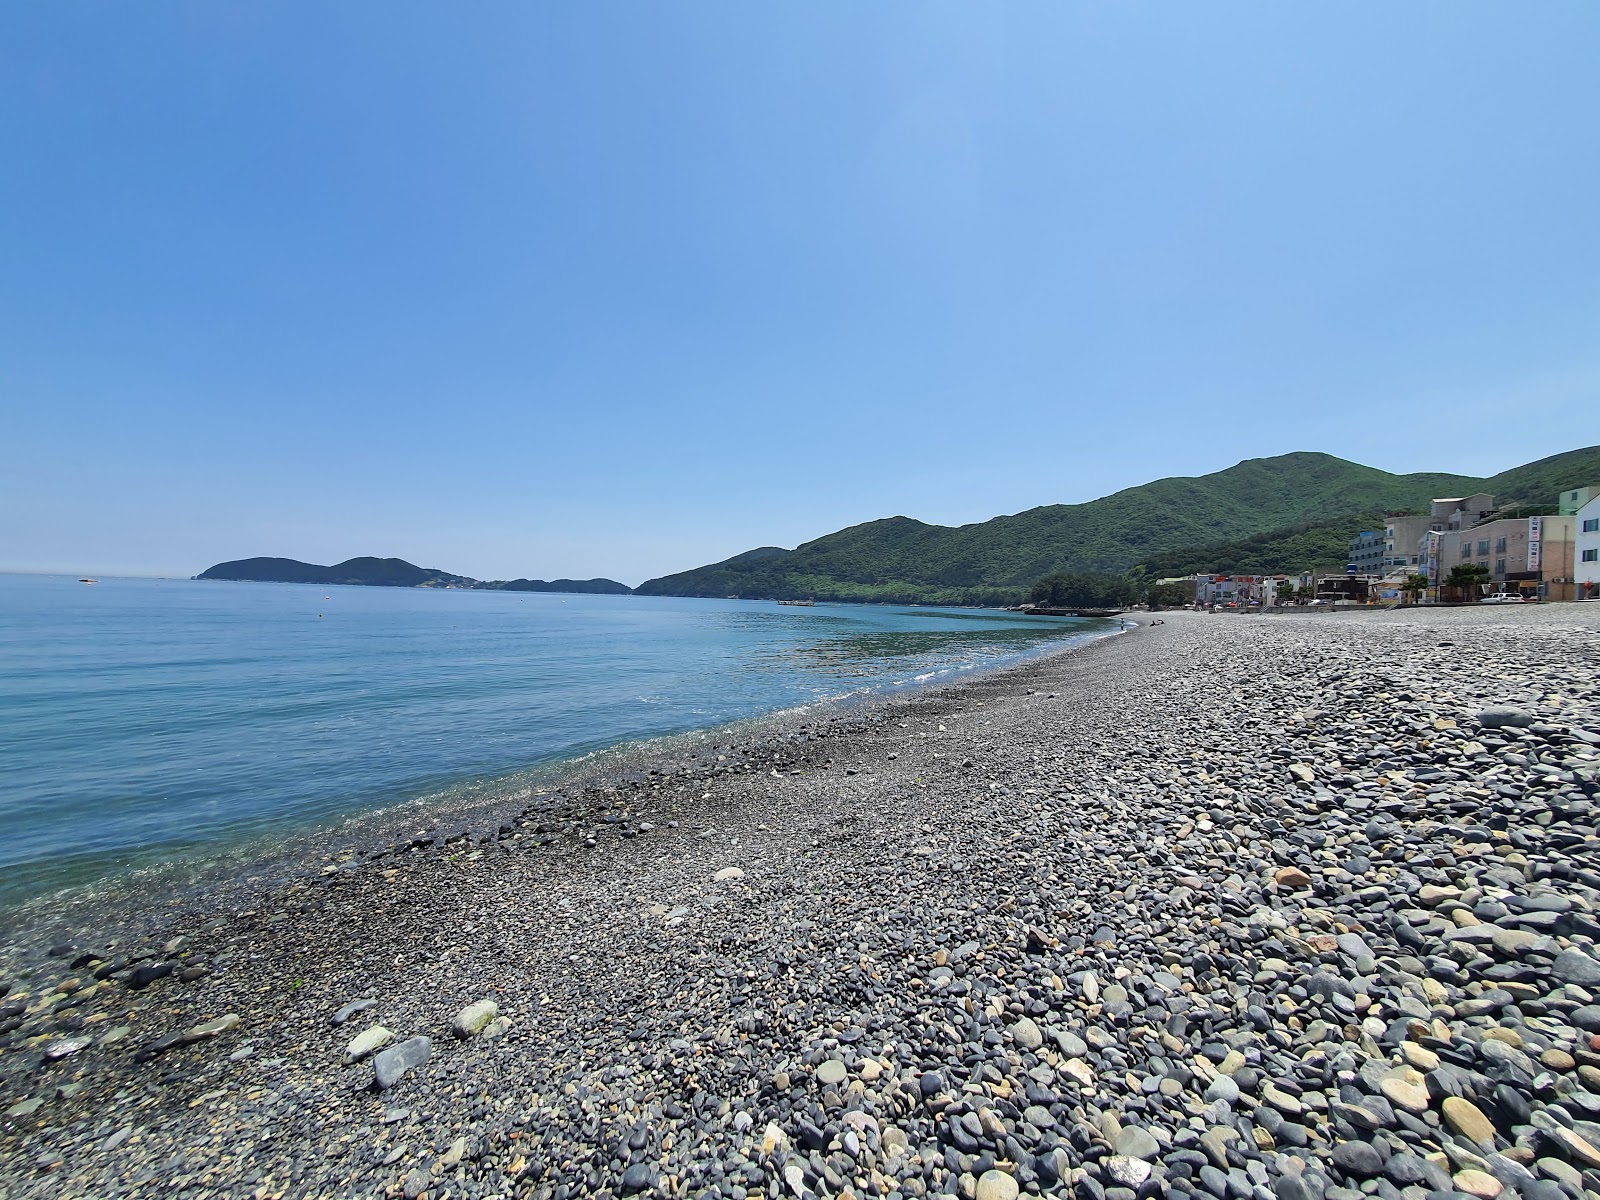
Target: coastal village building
column 1392, row 549
column 1570, row 502
column 1401, row 536
column 1531, row 555
column 1369, row 551
column 1460, row 512
column 1223, row 590
column 1541, row 557
column 1431, row 560
column 1586, row 547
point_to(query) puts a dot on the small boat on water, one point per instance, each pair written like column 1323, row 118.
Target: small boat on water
column 799, row 603
column 88, row 581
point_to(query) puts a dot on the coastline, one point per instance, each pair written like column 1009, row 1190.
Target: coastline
column 235, row 874
column 926, row 943
column 149, row 792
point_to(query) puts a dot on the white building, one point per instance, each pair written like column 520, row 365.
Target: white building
column 1400, row 542
column 1586, row 547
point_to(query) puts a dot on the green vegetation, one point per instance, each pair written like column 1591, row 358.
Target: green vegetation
column 1082, row 589
column 392, row 572
column 593, row 587
column 1292, row 512
column 1466, row 575
column 1537, row 483
column 1299, row 548
column 1467, row 581
column 1167, row 595
column 373, row 572
column 1414, row 586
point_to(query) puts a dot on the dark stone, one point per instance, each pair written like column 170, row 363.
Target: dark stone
column 145, row 974
column 636, row 1178
column 1574, row 966
column 1308, row 1185
column 1362, row 1160
column 1406, row 1169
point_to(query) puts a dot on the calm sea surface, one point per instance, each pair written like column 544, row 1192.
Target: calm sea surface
column 148, row 720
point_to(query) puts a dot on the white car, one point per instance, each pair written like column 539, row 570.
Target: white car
column 1502, row 598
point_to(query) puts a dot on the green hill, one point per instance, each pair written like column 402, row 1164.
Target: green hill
column 394, row 572
column 374, row 572
column 1538, row 482
column 1299, row 548
column 590, row 587
column 990, row 562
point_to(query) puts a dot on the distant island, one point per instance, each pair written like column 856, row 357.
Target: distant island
column 395, row 572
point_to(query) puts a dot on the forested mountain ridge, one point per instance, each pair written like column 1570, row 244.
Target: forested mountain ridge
column 394, row 572
column 991, row 562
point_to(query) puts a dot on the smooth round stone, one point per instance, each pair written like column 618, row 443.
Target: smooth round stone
column 1137, row 1143
column 1419, row 1056
column 1360, row 1159
column 996, row 1185
column 1223, row 1088
column 1026, row 1034
column 1281, row 1100
column 1557, row 1060
column 831, row 1073
column 1478, row 1183
column 1405, row 1089
column 1038, row 1116
column 471, row 1019
column 367, row 1043
column 1468, row 1120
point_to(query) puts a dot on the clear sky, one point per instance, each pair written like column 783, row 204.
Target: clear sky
column 623, row 288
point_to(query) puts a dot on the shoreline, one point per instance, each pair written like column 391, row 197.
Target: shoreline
column 1164, row 916
column 470, row 810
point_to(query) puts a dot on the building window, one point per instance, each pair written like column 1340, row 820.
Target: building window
column 1499, row 566
column 1500, row 546
column 1591, row 556
column 1483, row 548
column 1592, row 525
column 1466, row 549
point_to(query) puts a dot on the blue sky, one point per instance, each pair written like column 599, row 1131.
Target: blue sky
column 545, row 289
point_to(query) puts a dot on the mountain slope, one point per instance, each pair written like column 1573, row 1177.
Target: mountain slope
column 374, row 572
column 394, row 572
column 591, row 587
column 899, row 559
column 1538, row 482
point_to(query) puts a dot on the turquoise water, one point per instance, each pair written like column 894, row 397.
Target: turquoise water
column 148, row 720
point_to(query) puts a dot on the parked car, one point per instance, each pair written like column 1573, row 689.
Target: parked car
column 1502, row 598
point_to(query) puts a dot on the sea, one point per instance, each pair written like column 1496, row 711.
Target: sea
column 152, row 722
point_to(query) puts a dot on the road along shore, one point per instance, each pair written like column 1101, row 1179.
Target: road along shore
column 1225, row 908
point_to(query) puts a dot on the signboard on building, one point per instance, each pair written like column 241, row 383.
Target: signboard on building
column 1535, row 542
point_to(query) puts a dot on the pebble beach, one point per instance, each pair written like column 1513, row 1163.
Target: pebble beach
column 1288, row 907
